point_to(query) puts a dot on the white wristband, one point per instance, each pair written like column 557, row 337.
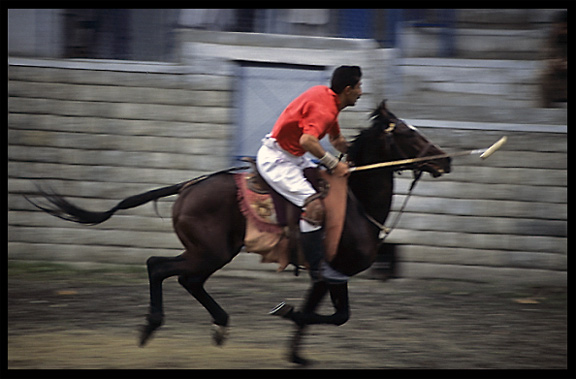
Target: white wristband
column 329, row 161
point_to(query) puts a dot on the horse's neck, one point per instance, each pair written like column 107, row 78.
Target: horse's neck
column 374, row 191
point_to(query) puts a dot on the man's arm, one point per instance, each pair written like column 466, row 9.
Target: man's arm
column 340, row 143
column 312, row 145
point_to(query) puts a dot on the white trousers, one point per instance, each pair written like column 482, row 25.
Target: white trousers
column 284, row 172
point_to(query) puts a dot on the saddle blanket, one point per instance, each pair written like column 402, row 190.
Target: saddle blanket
column 266, row 237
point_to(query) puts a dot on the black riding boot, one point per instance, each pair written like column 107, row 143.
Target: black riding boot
column 313, row 249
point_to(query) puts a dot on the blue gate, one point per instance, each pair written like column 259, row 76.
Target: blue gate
column 262, row 93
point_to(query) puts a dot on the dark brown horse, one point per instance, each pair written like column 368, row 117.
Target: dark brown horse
column 207, row 219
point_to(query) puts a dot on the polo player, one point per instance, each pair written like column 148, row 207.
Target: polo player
column 281, row 162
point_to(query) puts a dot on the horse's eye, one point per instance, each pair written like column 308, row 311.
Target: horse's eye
column 409, row 131
column 412, row 129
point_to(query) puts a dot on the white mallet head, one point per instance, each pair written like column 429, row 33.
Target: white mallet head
column 492, row 149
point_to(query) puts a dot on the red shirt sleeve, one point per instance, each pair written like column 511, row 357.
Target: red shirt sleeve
column 318, row 121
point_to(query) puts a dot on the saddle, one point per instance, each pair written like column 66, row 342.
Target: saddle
column 272, row 222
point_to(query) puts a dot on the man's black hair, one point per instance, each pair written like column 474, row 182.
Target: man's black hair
column 345, row 76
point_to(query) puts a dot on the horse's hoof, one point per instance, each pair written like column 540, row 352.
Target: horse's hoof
column 219, row 334
column 154, row 322
column 299, row 360
column 282, row 310
column 145, row 334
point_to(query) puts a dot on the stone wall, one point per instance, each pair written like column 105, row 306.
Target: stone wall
column 99, row 131
column 501, row 219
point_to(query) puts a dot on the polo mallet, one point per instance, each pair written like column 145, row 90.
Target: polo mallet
column 484, row 153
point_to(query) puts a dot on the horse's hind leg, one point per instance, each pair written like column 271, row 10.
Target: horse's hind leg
column 159, row 268
column 220, row 318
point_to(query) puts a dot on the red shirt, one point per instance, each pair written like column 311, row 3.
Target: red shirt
column 314, row 112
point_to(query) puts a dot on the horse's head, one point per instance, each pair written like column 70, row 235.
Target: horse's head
column 391, row 139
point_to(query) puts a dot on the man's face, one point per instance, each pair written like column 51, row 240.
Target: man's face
column 352, row 94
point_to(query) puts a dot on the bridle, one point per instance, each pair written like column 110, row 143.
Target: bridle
column 398, row 153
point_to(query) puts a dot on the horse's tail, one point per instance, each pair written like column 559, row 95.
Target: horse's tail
column 62, row 208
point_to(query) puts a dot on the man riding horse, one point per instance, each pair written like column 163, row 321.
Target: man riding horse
column 209, row 220
column 281, row 162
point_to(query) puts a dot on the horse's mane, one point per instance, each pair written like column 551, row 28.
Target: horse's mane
column 362, row 143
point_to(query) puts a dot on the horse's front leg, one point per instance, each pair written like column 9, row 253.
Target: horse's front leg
column 294, row 354
column 317, row 292
column 308, row 316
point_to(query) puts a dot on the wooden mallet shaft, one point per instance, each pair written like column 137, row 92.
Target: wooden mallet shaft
column 484, row 153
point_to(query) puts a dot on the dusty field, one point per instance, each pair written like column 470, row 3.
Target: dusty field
column 61, row 318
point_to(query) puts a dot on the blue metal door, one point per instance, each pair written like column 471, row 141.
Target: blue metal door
column 262, row 93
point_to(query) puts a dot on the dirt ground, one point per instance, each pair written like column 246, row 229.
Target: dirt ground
column 68, row 319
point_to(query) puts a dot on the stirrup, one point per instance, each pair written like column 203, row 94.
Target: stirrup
column 281, row 309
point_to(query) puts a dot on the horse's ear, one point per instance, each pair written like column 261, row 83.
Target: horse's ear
column 381, row 110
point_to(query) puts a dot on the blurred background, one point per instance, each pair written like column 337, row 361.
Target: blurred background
column 107, row 103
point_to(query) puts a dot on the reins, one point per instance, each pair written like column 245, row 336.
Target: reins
column 391, row 145
column 384, row 230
